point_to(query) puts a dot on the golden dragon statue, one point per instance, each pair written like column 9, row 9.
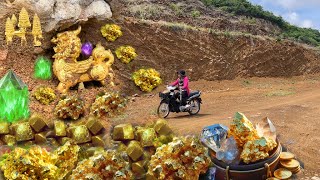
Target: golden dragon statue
column 70, row 71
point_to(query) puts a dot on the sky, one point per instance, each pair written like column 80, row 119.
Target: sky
column 303, row 13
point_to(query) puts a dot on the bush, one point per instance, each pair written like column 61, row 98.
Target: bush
column 243, row 7
column 195, row 13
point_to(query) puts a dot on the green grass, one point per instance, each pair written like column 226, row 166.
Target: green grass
column 176, row 8
column 246, row 83
column 195, row 13
column 280, row 93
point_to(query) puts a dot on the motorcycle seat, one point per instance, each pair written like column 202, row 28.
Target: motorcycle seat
column 193, row 93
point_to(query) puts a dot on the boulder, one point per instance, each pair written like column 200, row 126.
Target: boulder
column 61, row 14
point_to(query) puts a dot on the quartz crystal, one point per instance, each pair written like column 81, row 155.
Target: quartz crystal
column 265, row 128
column 228, row 151
column 212, row 136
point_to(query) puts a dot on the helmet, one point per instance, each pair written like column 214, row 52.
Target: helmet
column 182, row 72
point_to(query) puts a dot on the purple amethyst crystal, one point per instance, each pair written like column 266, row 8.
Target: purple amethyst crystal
column 86, row 49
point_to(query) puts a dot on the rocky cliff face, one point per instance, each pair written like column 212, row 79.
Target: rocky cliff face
column 61, row 14
column 207, row 55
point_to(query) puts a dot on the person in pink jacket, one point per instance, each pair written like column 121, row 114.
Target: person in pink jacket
column 183, row 82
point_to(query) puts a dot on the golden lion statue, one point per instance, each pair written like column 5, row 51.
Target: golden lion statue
column 71, row 72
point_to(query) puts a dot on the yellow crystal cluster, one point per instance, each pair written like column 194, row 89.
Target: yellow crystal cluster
column 45, row 95
column 253, row 146
column 70, row 107
column 242, row 130
column 126, row 54
column 183, row 158
column 106, row 165
column 38, row 163
column 147, row 79
column 111, row 32
column 109, row 104
column 258, row 149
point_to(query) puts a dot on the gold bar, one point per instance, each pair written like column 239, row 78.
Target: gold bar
column 60, row 128
column 9, row 140
column 63, row 140
column 4, row 128
column 80, row 134
column 40, row 138
column 22, row 131
column 98, row 141
column 123, row 132
column 162, row 127
column 134, row 150
column 94, row 125
column 137, row 168
column 37, row 123
column 147, row 137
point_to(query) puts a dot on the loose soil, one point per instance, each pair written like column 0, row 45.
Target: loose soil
column 291, row 103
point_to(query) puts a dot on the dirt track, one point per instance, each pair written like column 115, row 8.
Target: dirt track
column 292, row 104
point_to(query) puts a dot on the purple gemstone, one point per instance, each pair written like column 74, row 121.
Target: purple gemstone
column 86, row 49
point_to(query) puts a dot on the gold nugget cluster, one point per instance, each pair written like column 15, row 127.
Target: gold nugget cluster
column 105, row 165
column 183, row 158
column 38, row 163
column 109, row 104
column 44, row 95
column 253, row 146
column 140, row 142
column 147, row 79
column 23, row 24
column 69, row 71
column 37, row 131
column 71, row 107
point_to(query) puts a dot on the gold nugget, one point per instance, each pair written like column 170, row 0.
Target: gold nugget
column 242, row 130
column 23, row 131
column 80, row 134
column 4, row 128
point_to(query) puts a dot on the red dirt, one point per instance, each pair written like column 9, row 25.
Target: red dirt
column 292, row 104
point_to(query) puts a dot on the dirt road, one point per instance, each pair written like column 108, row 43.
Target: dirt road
column 292, row 104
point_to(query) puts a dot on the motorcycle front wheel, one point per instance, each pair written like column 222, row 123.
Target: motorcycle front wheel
column 163, row 110
column 195, row 107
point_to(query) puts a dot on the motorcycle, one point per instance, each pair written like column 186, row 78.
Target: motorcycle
column 170, row 102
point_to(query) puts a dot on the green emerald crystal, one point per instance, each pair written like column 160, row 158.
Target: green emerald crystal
column 14, row 98
column 42, row 69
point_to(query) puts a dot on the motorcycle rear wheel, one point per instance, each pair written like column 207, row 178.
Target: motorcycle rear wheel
column 195, row 107
column 163, row 110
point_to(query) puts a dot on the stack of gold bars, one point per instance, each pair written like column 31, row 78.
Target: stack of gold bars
column 37, row 131
column 140, row 143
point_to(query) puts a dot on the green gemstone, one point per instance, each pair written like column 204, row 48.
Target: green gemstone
column 42, row 69
column 14, row 98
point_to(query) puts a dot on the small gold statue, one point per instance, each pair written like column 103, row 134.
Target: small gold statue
column 69, row 71
column 9, row 31
column 36, row 30
column 23, row 24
